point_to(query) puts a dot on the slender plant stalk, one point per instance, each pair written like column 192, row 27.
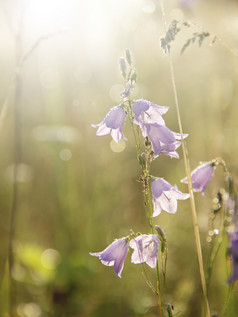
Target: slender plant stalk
column 188, row 173
column 158, row 290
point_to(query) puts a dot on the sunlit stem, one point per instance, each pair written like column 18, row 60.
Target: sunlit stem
column 136, row 142
column 148, row 282
column 188, row 174
column 150, row 207
column 158, row 290
column 220, row 161
column 133, row 129
column 149, row 204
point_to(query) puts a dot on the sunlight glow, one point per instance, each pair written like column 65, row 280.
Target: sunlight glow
column 46, row 16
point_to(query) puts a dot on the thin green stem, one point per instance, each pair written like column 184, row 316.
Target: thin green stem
column 148, row 194
column 158, row 290
column 150, row 207
column 148, row 282
column 137, row 143
column 133, row 128
column 188, row 173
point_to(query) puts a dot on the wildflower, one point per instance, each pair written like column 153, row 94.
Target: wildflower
column 112, row 123
column 147, row 112
column 201, row 176
column 145, row 249
column 115, row 254
column 163, row 140
column 165, row 196
column 234, row 255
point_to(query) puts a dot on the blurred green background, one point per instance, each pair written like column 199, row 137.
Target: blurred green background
column 77, row 192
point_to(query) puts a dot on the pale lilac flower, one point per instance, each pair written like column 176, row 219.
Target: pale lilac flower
column 165, row 196
column 114, row 255
column 201, row 176
column 112, row 123
column 169, row 149
column 234, row 255
column 163, row 140
column 145, row 249
column 147, row 112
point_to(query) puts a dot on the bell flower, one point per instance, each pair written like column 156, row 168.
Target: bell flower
column 147, row 112
column 145, row 249
column 112, row 123
column 201, row 177
column 163, row 140
column 114, row 255
column 234, row 255
column 165, row 196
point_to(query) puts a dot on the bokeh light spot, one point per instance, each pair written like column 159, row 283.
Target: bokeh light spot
column 50, row 259
column 28, row 310
column 148, row 6
column 65, row 154
column 118, row 147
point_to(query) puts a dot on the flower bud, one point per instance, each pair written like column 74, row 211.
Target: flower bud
column 122, row 64
column 162, row 237
column 128, row 56
column 147, row 142
column 160, row 232
column 133, row 76
column 142, row 160
column 169, row 310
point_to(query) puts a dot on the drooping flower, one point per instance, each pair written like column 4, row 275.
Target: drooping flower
column 201, row 176
column 163, row 140
column 145, row 249
column 112, row 123
column 147, row 112
column 165, row 196
column 114, row 255
column 234, row 255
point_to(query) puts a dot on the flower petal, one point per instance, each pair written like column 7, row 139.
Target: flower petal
column 168, row 202
column 201, row 176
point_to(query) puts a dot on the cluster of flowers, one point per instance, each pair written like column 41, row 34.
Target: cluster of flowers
column 148, row 116
column 145, row 250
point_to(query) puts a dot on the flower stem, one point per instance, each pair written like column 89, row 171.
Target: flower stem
column 188, row 173
column 133, row 128
column 148, row 194
column 158, row 290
